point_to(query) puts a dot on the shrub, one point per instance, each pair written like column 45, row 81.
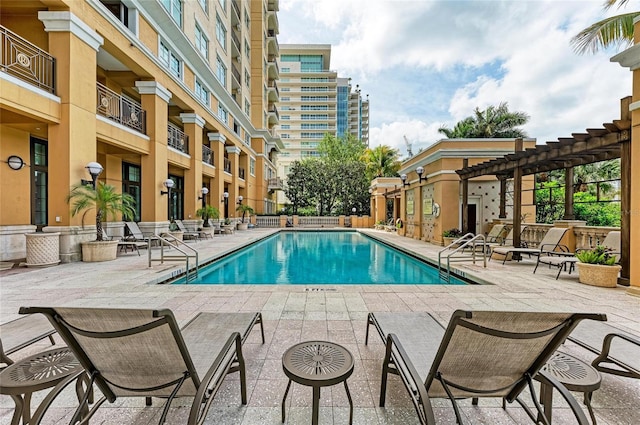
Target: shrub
column 452, row 233
column 598, row 255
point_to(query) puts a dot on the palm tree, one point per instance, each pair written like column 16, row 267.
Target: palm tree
column 609, row 32
column 495, row 121
column 381, row 161
column 104, row 199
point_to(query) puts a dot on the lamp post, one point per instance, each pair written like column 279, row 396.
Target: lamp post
column 403, row 177
column 240, row 198
column 168, row 183
column 94, row 169
column 204, row 192
column 420, row 172
column 225, row 199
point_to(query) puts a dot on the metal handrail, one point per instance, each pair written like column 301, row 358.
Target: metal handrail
column 462, row 243
column 167, row 239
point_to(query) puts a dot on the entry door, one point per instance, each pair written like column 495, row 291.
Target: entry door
column 472, row 218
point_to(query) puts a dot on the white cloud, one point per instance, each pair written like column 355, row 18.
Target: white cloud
column 429, row 63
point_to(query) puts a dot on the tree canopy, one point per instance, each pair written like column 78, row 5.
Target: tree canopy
column 381, row 161
column 494, row 121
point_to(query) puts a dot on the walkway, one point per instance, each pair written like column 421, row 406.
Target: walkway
column 337, row 313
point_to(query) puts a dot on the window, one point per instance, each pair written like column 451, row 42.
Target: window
column 311, row 135
column 315, row 126
column 247, row 50
column 315, row 107
column 204, row 4
column 223, row 4
column 176, row 202
column 285, row 127
column 285, row 89
column 252, row 166
column 221, row 71
column 202, row 42
column 247, row 79
column 174, row 7
column 247, row 20
column 221, row 33
column 285, row 70
column 131, row 184
column 247, row 107
column 285, row 99
column 202, row 93
column 170, row 60
column 285, row 117
column 314, row 98
column 223, row 114
column 39, row 182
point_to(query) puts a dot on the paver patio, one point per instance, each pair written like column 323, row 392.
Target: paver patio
column 295, row 313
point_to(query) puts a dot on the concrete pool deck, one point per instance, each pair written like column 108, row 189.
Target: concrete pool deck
column 295, row 313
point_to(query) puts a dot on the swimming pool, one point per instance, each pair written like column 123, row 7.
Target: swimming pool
column 310, row 257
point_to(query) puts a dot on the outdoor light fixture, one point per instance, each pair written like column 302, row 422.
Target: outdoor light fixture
column 225, row 197
column 353, row 210
column 94, row 170
column 168, row 183
column 240, row 198
column 204, row 192
column 15, row 162
column 403, row 177
column 370, row 190
column 420, row 172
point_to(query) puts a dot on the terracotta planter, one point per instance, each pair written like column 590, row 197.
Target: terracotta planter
column 598, row 275
column 95, row 251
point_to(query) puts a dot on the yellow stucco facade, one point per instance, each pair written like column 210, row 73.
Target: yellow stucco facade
column 149, row 94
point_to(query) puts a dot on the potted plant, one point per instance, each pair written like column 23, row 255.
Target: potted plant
column 451, row 235
column 106, row 202
column 207, row 212
column 244, row 209
column 598, row 267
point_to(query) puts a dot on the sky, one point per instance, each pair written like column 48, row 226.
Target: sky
column 427, row 64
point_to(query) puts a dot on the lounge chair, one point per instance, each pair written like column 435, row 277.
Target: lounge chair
column 135, row 233
column 496, row 234
column 480, row 354
column 143, row 353
column 125, row 244
column 618, row 351
column 186, row 234
column 568, row 260
column 550, row 243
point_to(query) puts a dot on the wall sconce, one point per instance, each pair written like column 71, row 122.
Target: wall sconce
column 168, row 183
column 94, row 169
column 353, row 210
column 240, row 198
column 370, row 191
column 225, row 197
column 15, row 162
column 403, row 177
column 204, row 192
column 420, row 172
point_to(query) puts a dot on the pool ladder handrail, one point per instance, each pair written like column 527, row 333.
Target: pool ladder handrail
column 167, row 239
column 467, row 241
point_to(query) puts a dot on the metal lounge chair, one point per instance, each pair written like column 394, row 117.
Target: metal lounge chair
column 479, row 354
column 496, row 234
column 125, row 245
column 186, row 234
column 134, row 232
column 562, row 260
column 550, row 243
column 143, row 353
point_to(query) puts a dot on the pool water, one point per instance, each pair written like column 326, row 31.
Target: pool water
column 319, row 258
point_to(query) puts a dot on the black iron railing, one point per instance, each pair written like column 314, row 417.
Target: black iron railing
column 27, row 61
column 207, row 155
column 177, row 139
column 120, row 109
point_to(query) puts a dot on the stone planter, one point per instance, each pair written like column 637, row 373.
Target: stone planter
column 598, row 275
column 95, row 251
column 448, row 240
column 243, row 226
column 177, row 234
column 43, row 249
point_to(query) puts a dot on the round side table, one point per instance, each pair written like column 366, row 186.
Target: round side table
column 574, row 374
column 317, row 364
column 38, row 372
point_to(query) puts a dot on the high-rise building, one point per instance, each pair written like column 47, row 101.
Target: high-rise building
column 152, row 90
column 314, row 101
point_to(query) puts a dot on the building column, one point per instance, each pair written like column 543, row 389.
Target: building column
column 417, row 213
column 155, row 168
column 217, row 187
column 193, row 124
column 72, row 143
column 233, row 153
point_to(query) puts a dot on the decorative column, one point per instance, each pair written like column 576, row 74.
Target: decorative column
column 193, row 124
column 233, row 153
column 72, row 142
column 465, row 200
column 217, row 188
column 155, row 168
column 568, row 194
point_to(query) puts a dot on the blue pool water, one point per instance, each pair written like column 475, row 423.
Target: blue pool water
column 318, row 258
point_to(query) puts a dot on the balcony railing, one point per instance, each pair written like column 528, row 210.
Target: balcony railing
column 274, row 110
column 227, row 165
column 236, row 75
column 120, row 109
column 241, row 173
column 275, row 184
column 207, row 155
column 26, row 61
column 177, row 139
column 236, row 9
column 273, row 85
column 236, row 41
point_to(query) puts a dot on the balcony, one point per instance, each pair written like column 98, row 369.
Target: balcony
column 275, row 184
column 177, row 139
column 121, row 110
column 274, row 116
column 235, row 7
column 272, row 92
column 273, row 71
column 227, row 165
column 236, row 81
column 273, row 48
column 26, row 61
column 207, row 155
column 273, row 5
column 235, row 44
column 241, row 173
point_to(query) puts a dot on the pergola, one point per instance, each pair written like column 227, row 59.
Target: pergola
column 611, row 141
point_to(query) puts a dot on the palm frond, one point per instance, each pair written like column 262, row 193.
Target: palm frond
column 610, row 3
column 609, row 32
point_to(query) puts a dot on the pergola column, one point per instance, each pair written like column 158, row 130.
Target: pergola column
column 517, row 198
column 465, row 200
column 568, row 194
column 503, row 197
